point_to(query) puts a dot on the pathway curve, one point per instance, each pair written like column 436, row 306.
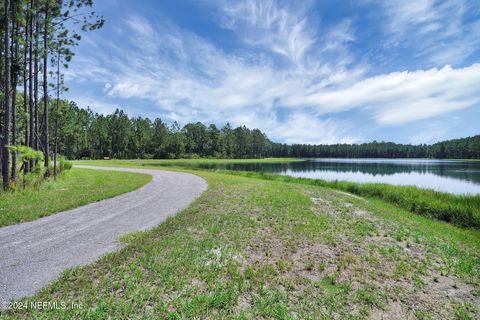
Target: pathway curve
column 34, row 253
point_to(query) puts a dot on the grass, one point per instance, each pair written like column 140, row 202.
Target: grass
column 181, row 162
column 253, row 248
column 74, row 188
column 461, row 210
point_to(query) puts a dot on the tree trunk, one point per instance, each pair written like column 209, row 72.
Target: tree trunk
column 45, row 91
column 30, row 84
column 56, row 149
column 35, row 78
column 56, row 118
column 6, row 135
column 14, row 96
column 26, row 167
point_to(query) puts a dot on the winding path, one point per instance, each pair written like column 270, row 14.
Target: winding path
column 34, row 253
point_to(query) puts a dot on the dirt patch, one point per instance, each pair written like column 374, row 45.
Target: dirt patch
column 394, row 311
column 380, row 265
column 323, row 206
column 262, row 250
column 349, row 195
column 244, row 302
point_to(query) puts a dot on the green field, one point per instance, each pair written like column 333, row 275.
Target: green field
column 460, row 210
column 255, row 248
column 74, row 188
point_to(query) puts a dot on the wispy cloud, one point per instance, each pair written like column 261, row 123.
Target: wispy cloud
column 401, row 97
column 290, row 80
column 302, row 127
column 264, row 23
column 431, row 134
column 438, row 30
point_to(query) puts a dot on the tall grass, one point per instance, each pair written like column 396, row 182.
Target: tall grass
column 461, row 210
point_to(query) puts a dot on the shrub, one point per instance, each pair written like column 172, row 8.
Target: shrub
column 64, row 164
column 36, row 175
column 26, row 154
column 191, row 156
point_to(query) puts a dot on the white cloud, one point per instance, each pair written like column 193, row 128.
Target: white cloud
column 339, row 36
column 106, row 87
column 401, row 97
column 303, row 128
column 187, row 78
column 264, row 23
column 298, row 127
column 139, row 25
column 94, row 104
column 431, row 134
column 437, row 30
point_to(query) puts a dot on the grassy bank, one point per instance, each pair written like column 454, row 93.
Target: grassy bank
column 74, row 188
column 457, row 209
column 252, row 248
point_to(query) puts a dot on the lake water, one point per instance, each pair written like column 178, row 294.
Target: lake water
column 460, row 177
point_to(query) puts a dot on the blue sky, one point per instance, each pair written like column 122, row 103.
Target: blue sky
column 302, row 71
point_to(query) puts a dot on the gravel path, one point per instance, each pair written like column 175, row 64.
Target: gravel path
column 34, row 253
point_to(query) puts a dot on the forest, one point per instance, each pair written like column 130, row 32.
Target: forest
column 88, row 135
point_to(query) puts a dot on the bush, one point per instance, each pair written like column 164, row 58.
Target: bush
column 25, row 154
column 36, row 176
column 191, row 156
column 64, row 164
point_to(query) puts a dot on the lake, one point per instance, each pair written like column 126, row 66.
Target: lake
column 460, row 177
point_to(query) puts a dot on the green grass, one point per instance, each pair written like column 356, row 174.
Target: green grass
column 74, row 188
column 181, row 162
column 252, row 248
column 461, row 210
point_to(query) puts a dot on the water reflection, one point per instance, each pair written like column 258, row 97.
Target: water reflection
column 443, row 175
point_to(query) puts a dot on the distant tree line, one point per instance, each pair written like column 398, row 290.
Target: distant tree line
column 465, row 148
column 85, row 134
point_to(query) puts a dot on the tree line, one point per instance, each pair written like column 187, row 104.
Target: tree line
column 36, row 35
column 85, row 134
column 465, row 148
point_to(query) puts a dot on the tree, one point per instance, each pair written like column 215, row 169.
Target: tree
column 215, row 141
column 159, row 139
column 228, row 144
column 176, row 141
column 6, row 127
column 196, row 137
column 46, row 148
column 23, row 22
column 15, row 67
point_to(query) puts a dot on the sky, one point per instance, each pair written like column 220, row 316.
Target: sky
column 319, row 72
